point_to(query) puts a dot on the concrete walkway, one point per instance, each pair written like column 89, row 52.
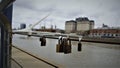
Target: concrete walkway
column 21, row 59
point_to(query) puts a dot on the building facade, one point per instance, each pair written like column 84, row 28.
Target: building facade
column 105, row 33
column 80, row 25
column 84, row 24
column 70, row 26
column 92, row 24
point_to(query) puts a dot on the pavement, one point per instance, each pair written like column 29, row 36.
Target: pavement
column 21, row 59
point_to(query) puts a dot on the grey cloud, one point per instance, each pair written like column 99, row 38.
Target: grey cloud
column 23, row 4
column 102, row 11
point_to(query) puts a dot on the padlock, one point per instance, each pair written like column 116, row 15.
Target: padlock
column 43, row 41
column 79, row 46
column 67, row 46
column 59, row 46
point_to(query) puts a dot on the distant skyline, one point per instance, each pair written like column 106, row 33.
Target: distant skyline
column 31, row 11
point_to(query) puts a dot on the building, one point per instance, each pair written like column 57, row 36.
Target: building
column 92, row 24
column 84, row 24
column 70, row 26
column 81, row 25
column 22, row 26
column 105, row 33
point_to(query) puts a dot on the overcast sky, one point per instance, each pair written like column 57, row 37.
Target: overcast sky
column 31, row 11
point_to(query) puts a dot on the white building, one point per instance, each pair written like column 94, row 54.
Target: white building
column 81, row 25
column 84, row 24
column 70, row 26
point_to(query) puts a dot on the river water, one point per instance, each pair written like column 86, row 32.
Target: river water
column 93, row 55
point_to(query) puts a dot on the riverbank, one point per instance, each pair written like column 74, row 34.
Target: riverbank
column 87, row 39
column 101, row 40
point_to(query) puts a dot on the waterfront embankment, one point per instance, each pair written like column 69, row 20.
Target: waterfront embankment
column 23, row 59
column 102, row 40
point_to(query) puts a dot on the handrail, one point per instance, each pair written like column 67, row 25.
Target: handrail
column 37, row 57
column 17, row 63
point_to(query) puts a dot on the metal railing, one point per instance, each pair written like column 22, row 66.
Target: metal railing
column 13, row 65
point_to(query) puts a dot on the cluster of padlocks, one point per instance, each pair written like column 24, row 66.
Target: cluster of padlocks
column 63, row 46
